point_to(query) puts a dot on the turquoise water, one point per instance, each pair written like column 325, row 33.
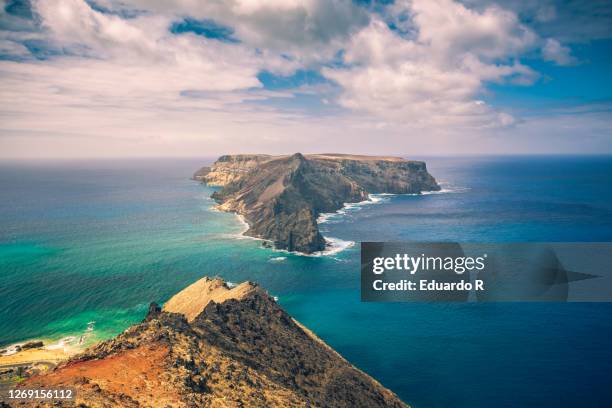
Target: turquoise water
column 98, row 241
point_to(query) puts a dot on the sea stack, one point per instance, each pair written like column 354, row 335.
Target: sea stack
column 281, row 197
column 215, row 346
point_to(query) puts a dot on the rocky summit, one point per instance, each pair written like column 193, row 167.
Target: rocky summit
column 214, row 346
column 281, row 197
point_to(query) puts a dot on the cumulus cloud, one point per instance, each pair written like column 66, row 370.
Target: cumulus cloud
column 145, row 45
column 308, row 30
column 566, row 21
column 557, row 53
column 128, row 79
column 452, row 29
column 120, row 73
column 435, row 76
column 132, row 64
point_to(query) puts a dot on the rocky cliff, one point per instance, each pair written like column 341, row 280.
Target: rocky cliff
column 281, row 197
column 229, row 168
column 215, row 346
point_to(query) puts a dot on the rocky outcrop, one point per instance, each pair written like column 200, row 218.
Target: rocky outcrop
column 229, row 168
column 32, row 345
column 215, row 346
column 281, row 197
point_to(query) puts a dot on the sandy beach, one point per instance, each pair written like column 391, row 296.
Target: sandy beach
column 17, row 366
column 36, row 355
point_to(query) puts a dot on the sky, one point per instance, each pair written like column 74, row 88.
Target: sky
column 186, row 78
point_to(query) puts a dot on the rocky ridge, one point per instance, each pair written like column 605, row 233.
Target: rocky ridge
column 215, row 346
column 281, row 197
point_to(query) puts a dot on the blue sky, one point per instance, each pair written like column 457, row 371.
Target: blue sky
column 110, row 78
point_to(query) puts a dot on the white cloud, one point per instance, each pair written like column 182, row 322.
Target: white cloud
column 308, row 30
column 13, row 48
column 557, row 53
column 452, row 30
column 434, row 77
column 145, row 44
column 128, row 86
column 130, row 64
column 125, row 79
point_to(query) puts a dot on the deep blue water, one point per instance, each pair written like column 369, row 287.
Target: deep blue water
column 97, row 241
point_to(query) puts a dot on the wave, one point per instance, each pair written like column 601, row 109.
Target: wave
column 443, row 190
column 69, row 343
column 62, row 343
column 12, row 349
column 90, row 326
column 447, row 190
column 381, row 198
column 347, row 207
column 241, row 234
column 245, row 224
column 66, row 343
column 338, row 245
column 335, row 245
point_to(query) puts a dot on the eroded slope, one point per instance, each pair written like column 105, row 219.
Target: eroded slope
column 240, row 350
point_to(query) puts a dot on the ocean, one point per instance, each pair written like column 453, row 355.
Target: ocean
column 86, row 245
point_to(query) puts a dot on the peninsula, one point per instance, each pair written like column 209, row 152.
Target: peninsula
column 281, row 197
column 213, row 345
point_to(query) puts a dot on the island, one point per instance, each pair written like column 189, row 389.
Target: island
column 214, row 345
column 281, row 197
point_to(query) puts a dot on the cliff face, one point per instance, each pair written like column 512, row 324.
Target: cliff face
column 281, row 197
column 213, row 346
column 229, row 168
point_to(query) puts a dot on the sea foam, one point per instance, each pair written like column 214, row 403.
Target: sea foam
column 348, row 207
column 336, row 245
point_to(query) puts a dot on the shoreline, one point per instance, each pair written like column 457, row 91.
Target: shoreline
column 48, row 350
column 51, row 349
column 316, row 182
column 23, row 364
column 378, row 198
column 33, row 356
column 334, row 245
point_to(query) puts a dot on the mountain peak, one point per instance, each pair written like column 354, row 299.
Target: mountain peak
column 192, row 300
column 241, row 349
column 298, row 156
